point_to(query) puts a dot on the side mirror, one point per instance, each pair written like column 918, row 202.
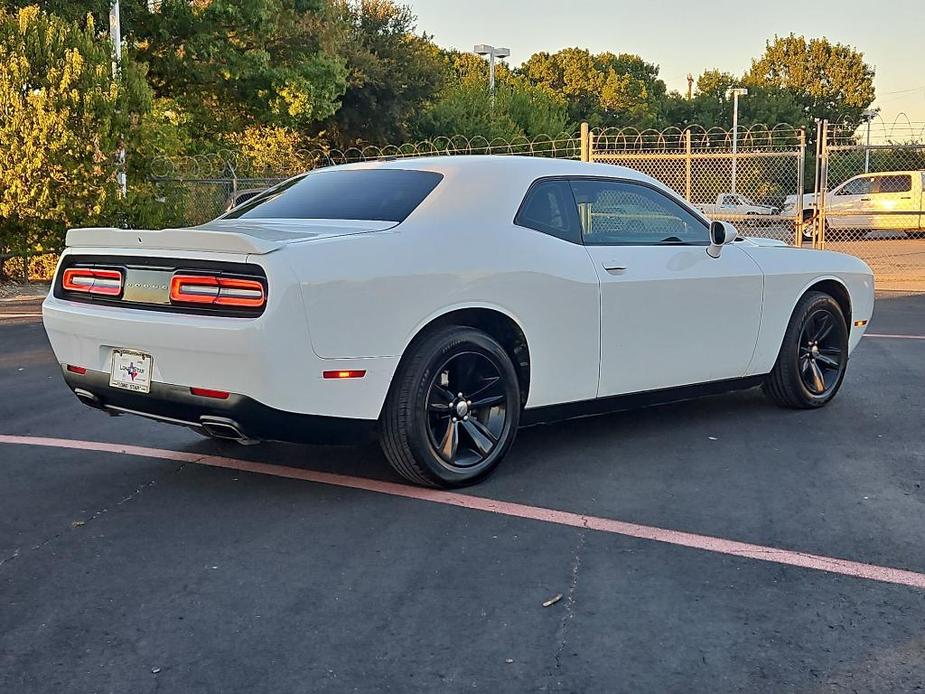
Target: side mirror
column 721, row 234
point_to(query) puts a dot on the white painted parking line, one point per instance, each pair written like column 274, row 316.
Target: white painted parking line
column 707, row 543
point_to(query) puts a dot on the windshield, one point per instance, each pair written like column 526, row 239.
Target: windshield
column 387, row 195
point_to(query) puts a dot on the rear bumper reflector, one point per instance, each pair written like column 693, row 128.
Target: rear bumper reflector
column 344, row 373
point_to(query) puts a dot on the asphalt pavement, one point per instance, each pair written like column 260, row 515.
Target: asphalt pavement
column 132, row 573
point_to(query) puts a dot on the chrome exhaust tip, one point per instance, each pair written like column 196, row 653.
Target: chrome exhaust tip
column 224, row 428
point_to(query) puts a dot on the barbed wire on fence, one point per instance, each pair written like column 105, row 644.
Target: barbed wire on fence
column 234, row 164
column 674, row 140
column 901, row 131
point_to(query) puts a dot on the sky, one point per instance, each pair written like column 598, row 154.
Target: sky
column 681, row 36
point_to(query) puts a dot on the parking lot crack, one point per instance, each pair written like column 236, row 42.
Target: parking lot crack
column 569, row 607
column 93, row 516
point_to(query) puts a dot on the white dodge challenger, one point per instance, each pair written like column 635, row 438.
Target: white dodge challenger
column 440, row 304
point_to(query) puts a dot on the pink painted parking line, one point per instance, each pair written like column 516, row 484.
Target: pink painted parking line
column 707, row 543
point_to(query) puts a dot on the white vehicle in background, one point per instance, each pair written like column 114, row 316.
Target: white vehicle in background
column 439, row 304
column 890, row 201
column 734, row 205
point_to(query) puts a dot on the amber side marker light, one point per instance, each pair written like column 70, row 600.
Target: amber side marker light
column 860, row 323
column 344, row 374
column 217, row 291
column 92, row 281
column 209, row 393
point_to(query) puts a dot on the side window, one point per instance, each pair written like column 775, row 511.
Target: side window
column 894, row 184
column 629, row 214
column 859, row 186
column 550, row 208
column 730, row 200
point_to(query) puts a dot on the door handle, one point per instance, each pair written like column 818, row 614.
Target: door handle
column 614, row 266
column 865, row 199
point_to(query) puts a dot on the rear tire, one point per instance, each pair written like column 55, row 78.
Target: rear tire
column 809, row 225
column 813, row 357
column 453, row 410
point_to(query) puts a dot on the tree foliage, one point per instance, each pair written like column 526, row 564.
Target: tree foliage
column 465, row 107
column 232, row 64
column 828, row 80
column 63, row 117
column 603, row 88
column 393, row 73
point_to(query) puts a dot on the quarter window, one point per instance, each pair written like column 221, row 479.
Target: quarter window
column 623, row 213
column 550, row 208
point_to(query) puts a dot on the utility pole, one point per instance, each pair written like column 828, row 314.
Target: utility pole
column 735, row 93
column 115, row 33
column 492, row 53
column 690, row 86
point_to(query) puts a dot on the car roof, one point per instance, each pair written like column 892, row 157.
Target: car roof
column 479, row 164
column 485, row 189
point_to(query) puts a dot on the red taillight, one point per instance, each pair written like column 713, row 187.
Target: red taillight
column 344, row 373
column 92, row 281
column 80, row 370
column 208, row 393
column 217, row 291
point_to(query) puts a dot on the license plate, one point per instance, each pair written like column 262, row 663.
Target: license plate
column 131, row 370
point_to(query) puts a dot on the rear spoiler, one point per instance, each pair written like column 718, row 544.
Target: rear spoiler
column 171, row 240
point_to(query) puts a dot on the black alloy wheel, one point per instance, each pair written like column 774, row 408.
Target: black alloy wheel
column 466, row 409
column 821, row 354
column 453, row 410
column 813, row 356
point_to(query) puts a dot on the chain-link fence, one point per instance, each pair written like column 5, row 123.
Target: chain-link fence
column 870, row 200
column 748, row 177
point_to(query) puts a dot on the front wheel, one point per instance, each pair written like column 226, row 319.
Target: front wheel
column 453, row 409
column 813, row 357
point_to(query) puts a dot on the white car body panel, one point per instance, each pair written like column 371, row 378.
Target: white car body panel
column 353, row 295
column 666, row 316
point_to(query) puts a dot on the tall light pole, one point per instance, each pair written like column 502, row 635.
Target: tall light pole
column 735, row 93
column 492, row 53
column 868, row 116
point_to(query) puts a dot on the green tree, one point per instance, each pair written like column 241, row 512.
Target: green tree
column 464, row 107
column 231, row 64
column 64, row 117
column 827, row 80
column 392, row 73
column 604, row 89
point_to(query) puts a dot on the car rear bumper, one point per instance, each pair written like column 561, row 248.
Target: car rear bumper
column 237, row 417
column 268, row 359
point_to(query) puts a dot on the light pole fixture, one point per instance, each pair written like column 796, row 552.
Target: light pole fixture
column 735, row 93
column 868, row 116
column 492, row 53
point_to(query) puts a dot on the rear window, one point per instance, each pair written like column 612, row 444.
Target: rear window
column 387, row 195
column 895, row 184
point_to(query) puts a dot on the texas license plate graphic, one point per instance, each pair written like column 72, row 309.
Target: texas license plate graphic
column 131, row 370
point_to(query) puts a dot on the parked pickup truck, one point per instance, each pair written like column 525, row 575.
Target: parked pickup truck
column 735, row 204
column 886, row 201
